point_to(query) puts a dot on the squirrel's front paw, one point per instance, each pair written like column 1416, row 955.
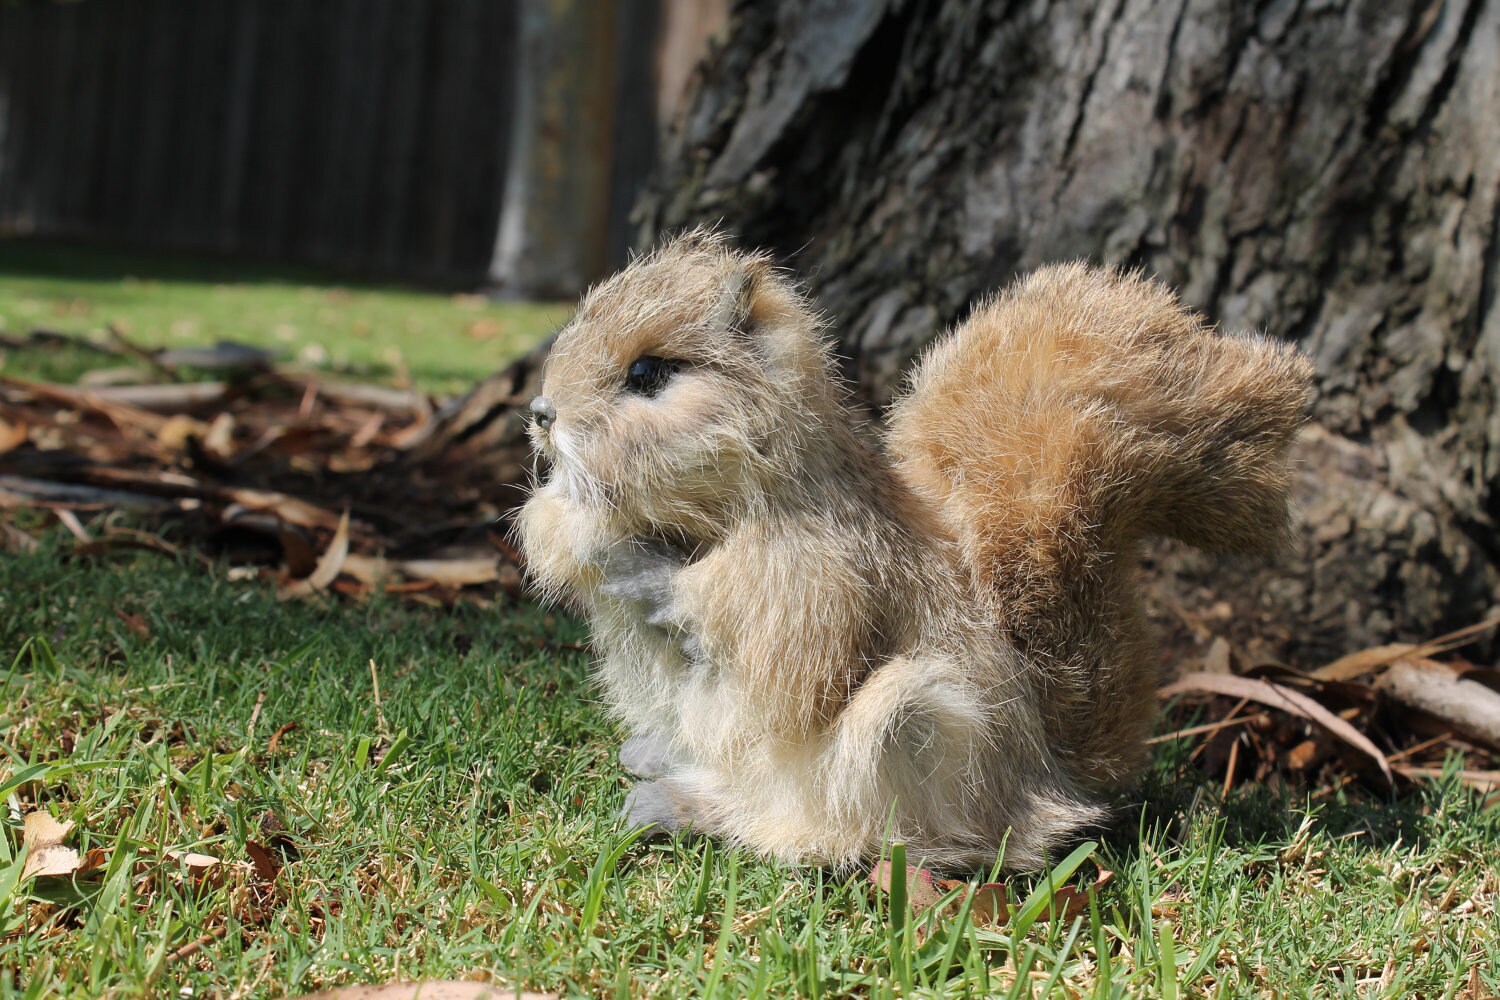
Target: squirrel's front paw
column 646, row 756
column 642, row 574
column 659, row 806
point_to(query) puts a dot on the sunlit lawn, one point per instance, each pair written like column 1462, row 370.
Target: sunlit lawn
column 364, row 331
column 443, row 803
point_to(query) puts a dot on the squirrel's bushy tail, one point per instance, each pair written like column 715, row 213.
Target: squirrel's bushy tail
column 1069, row 417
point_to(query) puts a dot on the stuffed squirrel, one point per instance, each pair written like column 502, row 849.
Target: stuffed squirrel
column 821, row 638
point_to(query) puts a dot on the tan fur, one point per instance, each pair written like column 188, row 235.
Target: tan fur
column 832, row 644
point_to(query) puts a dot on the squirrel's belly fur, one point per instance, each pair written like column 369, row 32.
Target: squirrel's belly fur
column 821, row 641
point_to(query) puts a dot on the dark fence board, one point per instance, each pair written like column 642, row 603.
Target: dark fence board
column 372, row 135
column 367, row 134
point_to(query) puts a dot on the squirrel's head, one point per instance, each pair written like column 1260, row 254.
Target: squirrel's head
column 682, row 388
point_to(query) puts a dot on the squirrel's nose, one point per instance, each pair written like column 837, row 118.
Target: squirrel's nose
column 543, row 413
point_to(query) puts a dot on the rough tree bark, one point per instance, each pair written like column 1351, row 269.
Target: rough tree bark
column 1325, row 170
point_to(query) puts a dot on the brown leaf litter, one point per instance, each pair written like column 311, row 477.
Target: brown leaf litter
column 989, row 903
column 1391, row 714
column 317, row 485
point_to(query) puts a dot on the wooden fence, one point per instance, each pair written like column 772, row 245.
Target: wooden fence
column 374, row 135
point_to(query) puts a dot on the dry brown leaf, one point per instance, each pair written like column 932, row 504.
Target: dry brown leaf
column 1285, row 699
column 1301, row 756
column 288, row 508
column 453, row 572
column 219, row 441
column 431, row 989
column 992, row 905
column 266, row 865
column 134, row 622
column 368, row 570
column 43, row 837
column 93, row 860
column 205, row 868
column 1369, row 660
column 1363, row 662
column 1071, row 901
column 923, row 889
column 333, row 557
column 196, row 863
column 367, row 431
column 12, row 434
column 329, row 564
column 174, row 434
column 274, row 743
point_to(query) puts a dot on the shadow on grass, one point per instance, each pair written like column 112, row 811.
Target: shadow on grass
column 1175, row 795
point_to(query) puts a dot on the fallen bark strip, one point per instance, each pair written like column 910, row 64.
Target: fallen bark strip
column 165, row 397
column 18, row 491
column 1471, row 708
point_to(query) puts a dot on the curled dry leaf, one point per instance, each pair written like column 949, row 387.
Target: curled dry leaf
column 453, row 572
column 327, row 569
column 1278, row 696
column 274, row 743
column 134, row 623
column 923, row 889
column 368, row 570
column 219, row 441
column 12, row 434
column 46, row 855
column 266, row 865
column 205, row 869
column 174, row 434
column 1072, row 901
column 329, row 564
column 288, row 508
column 1377, row 658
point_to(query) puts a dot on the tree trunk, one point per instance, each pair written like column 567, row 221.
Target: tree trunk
column 1324, row 170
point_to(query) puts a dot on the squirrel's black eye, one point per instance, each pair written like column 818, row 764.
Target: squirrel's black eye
column 648, row 374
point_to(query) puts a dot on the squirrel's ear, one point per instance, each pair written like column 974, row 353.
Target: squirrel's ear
column 732, row 313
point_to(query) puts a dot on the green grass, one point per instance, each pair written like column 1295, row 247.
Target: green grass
column 446, row 341
column 463, row 823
